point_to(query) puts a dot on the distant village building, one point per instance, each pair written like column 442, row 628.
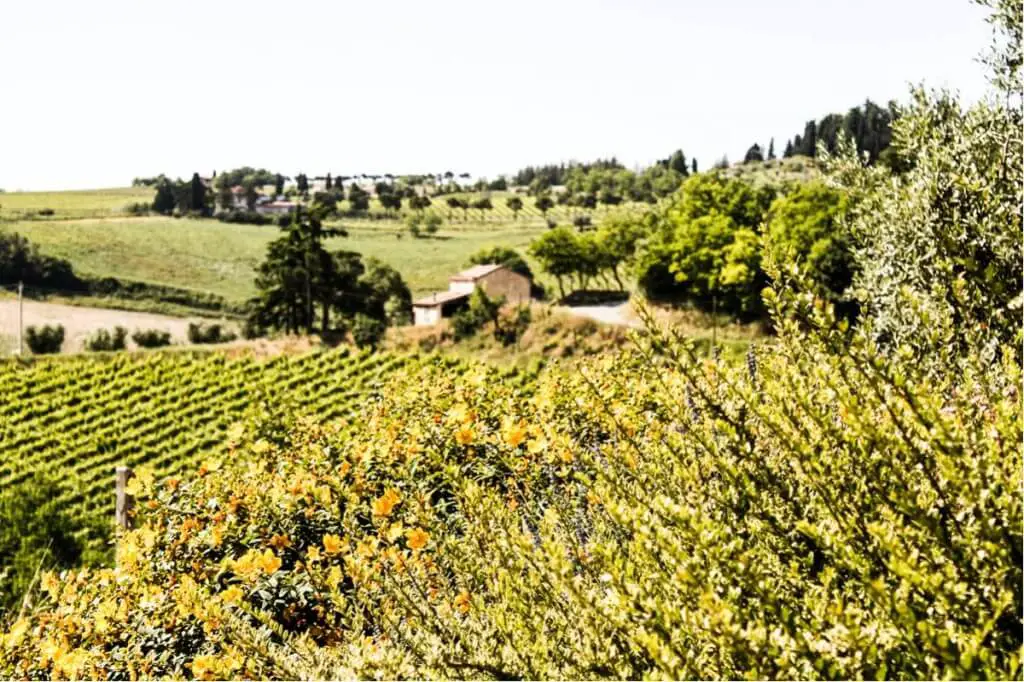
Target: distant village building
column 495, row 281
column 278, row 207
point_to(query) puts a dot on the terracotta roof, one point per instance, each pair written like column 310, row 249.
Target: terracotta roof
column 475, row 272
column 440, row 297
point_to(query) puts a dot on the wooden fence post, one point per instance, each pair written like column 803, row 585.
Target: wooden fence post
column 125, row 502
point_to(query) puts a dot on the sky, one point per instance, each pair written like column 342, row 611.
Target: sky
column 99, row 92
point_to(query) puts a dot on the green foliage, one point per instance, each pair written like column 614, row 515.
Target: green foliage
column 939, row 248
column 45, row 339
column 104, row 340
column 432, row 223
column 480, row 311
column 705, row 246
column 36, row 535
column 502, row 255
column 202, row 332
column 367, row 331
column 151, row 338
column 21, row 261
column 805, row 227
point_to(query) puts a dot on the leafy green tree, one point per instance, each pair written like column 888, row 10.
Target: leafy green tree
column 302, row 184
column 805, row 227
column 544, row 204
column 278, row 185
column 380, row 284
column 358, row 198
column 515, row 204
column 616, row 244
column 250, row 187
column 483, row 205
column 166, row 198
column 559, row 253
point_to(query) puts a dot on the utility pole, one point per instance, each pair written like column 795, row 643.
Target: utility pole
column 21, row 317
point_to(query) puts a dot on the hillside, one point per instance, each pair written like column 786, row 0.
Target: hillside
column 92, row 232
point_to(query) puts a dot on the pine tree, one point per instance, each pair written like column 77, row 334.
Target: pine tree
column 693, row 165
column 788, row 151
column 754, row 154
column 771, row 149
column 327, row 182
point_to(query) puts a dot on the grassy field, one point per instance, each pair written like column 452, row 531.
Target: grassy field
column 91, row 230
column 91, row 203
column 211, row 256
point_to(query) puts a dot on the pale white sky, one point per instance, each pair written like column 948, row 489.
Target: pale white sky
column 96, row 92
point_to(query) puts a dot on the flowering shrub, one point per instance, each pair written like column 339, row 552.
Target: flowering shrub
column 814, row 512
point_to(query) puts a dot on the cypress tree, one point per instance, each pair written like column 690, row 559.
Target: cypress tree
column 197, row 195
column 771, row 149
column 788, row 151
column 810, row 146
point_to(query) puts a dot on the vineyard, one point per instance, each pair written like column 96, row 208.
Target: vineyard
column 78, row 419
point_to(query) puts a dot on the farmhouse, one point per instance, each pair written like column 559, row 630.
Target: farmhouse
column 278, row 207
column 495, row 281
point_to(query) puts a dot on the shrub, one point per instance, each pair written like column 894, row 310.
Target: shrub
column 432, row 223
column 480, row 311
column 45, row 211
column 103, row 340
column 244, row 217
column 511, row 324
column 200, row 332
column 45, row 339
column 151, row 338
column 414, row 222
column 138, row 209
column 367, row 331
column 36, row 534
column 819, row 511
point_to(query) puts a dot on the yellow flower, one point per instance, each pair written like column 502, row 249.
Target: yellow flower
column 268, row 561
column 332, row 544
column 395, row 531
column 313, row 553
column 464, row 436
column 384, row 504
column 513, row 432
column 232, row 595
column 280, row 542
column 260, row 446
column 245, row 565
column 417, row 538
column 216, row 536
column 462, row 601
column 236, row 431
column 204, row 667
column 334, row 577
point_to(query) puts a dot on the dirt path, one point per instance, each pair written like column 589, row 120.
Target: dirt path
column 620, row 314
column 79, row 322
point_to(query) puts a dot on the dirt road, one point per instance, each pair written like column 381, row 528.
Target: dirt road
column 79, row 322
